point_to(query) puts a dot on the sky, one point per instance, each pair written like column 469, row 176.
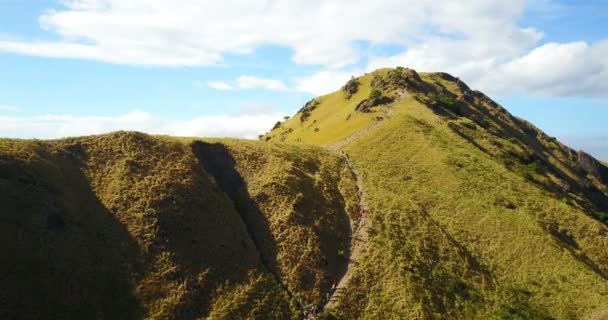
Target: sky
column 235, row 67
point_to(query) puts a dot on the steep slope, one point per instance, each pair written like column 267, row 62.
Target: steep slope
column 126, row 226
column 476, row 213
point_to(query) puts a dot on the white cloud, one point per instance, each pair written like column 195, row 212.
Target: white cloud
column 8, row 108
column 554, row 69
column 219, row 85
column 479, row 41
column 58, row 126
column 247, row 82
column 251, row 82
column 324, row 82
column 193, row 33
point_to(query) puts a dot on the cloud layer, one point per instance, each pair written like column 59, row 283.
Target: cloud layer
column 477, row 40
column 196, row 33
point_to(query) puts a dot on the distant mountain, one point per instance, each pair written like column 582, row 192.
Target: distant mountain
column 412, row 195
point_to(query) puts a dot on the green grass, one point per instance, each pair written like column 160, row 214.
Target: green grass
column 603, row 216
column 375, row 93
column 334, row 118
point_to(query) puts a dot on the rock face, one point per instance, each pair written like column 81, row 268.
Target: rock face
column 350, row 88
column 366, row 105
column 400, row 78
column 592, row 166
column 308, row 108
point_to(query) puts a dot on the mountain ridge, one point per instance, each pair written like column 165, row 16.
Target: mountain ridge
column 472, row 213
column 440, row 121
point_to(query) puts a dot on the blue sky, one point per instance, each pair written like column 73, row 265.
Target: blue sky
column 91, row 66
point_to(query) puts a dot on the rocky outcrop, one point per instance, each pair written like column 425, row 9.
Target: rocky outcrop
column 482, row 98
column 308, row 108
column 366, row 105
column 351, row 87
column 399, row 78
column 593, row 167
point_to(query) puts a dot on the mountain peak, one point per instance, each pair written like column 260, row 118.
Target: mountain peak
column 403, row 195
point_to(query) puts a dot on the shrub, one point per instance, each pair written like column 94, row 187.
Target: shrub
column 457, row 107
column 530, row 170
column 375, row 94
column 396, row 74
column 603, row 216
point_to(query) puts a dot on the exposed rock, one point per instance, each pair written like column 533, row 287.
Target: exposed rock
column 351, row 87
column 481, row 97
column 366, row 105
column 593, row 167
column 399, row 78
column 447, row 76
column 308, row 108
column 468, row 95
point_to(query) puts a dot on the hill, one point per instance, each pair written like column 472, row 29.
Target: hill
column 475, row 213
column 470, row 213
column 128, row 225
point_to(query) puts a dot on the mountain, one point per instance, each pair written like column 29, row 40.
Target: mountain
column 469, row 213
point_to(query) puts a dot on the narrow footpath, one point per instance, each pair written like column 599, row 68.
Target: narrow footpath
column 358, row 240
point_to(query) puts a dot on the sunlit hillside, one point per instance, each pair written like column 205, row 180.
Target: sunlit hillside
column 476, row 213
column 403, row 195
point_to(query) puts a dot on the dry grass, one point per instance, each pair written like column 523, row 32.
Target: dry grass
column 127, row 225
column 477, row 214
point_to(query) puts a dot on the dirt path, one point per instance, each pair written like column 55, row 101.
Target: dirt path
column 360, row 235
column 358, row 240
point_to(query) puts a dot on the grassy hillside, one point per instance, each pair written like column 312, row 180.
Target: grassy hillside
column 476, row 214
column 127, row 225
column 472, row 214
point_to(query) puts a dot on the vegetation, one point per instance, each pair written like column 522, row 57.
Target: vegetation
column 472, row 214
column 462, row 212
column 351, row 87
column 375, row 93
column 130, row 226
column 451, row 104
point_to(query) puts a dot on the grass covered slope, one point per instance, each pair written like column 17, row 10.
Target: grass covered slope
column 127, row 225
column 328, row 118
column 476, row 214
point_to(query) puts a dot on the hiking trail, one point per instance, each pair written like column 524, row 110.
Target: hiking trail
column 360, row 235
column 358, row 239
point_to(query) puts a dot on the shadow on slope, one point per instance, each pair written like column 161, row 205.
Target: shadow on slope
column 218, row 162
column 521, row 146
column 64, row 255
column 193, row 241
column 293, row 209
